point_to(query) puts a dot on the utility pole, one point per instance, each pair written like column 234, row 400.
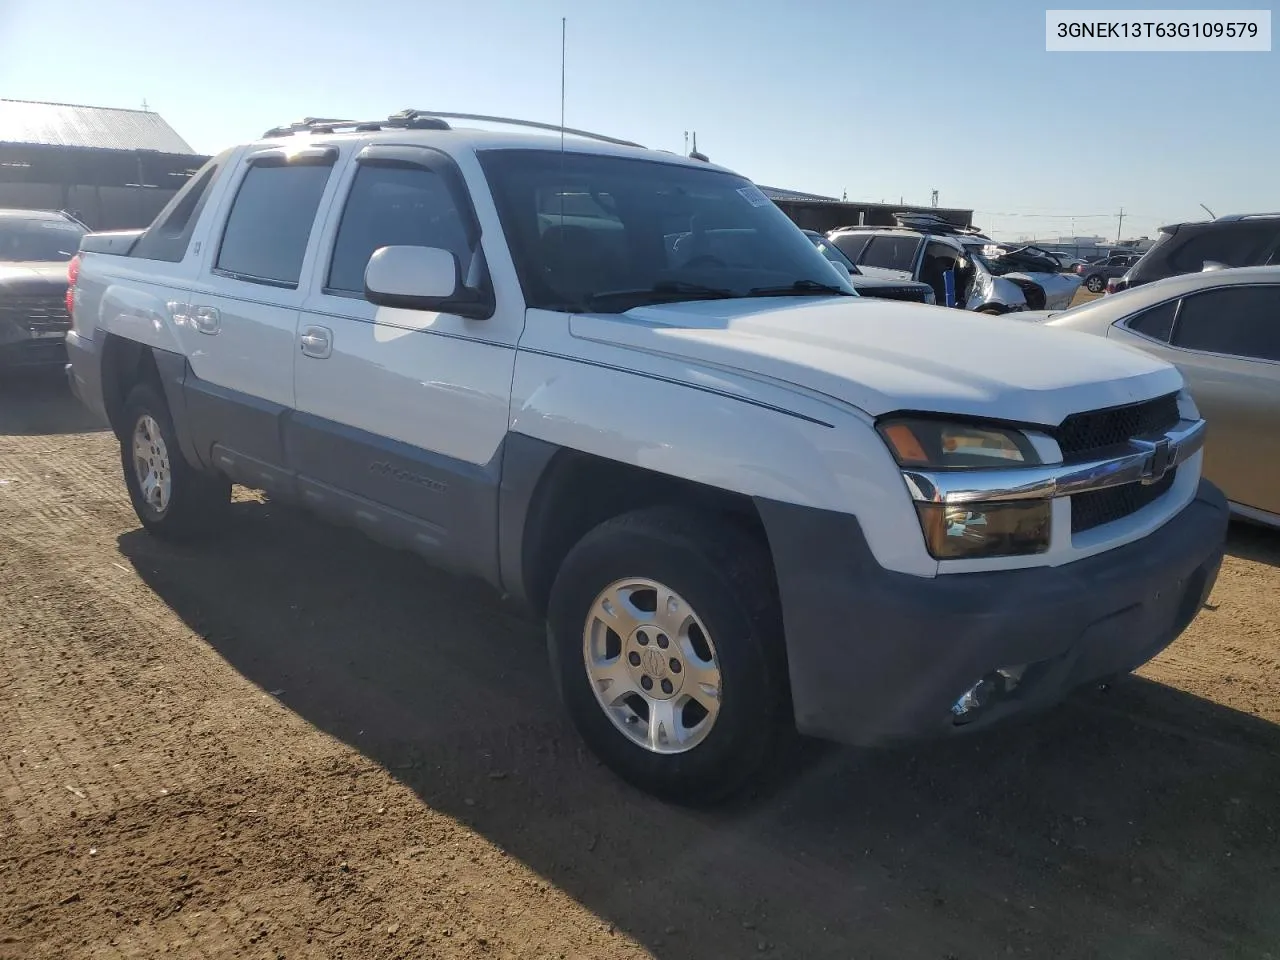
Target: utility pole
column 935, row 198
column 1120, row 225
column 686, row 143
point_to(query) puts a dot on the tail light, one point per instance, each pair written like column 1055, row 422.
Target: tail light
column 73, row 274
column 1115, row 285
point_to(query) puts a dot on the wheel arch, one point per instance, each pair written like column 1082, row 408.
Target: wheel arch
column 127, row 363
column 552, row 496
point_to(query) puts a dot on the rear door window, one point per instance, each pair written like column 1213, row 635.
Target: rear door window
column 891, row 253
column 270, row 223
column 1237, row 321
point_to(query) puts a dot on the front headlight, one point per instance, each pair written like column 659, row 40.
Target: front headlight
column 970, row 530
column 942, row 445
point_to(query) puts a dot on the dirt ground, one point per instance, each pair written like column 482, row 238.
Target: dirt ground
column 293, row 743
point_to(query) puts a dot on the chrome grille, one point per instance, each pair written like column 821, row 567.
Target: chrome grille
column 41, row 314
column 1083, row 435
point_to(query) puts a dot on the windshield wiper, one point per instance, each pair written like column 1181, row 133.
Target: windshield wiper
column 664, row 291
column 801, row 288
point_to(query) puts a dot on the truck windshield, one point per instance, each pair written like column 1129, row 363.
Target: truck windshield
column 604, row 234
column 34, row 241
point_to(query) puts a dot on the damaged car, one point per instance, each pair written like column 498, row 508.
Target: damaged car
column 964, row 267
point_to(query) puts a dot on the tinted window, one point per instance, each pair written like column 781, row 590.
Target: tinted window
column 38, row 240
column 1241, row 321
column 1243, row 245
column 394, row 206
column 1157, row 322
column 270, row 222
column 892, row 253
column 851, row 244
column 642, row 231
column 169, row 235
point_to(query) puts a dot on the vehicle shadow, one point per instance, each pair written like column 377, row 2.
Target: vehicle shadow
column 1135, row 822
column 1252, row 542
column 42, row 403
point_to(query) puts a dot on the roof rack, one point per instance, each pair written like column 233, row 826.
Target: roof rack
column 932, row 223
column 428, row 120
column 405, row 120
column 1247, row 216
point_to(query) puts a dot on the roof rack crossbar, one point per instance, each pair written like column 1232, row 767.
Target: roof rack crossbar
column 537, row 125
column 326, row 126
column 1247, row 216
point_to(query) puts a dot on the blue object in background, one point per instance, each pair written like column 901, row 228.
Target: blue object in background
column 949, row 284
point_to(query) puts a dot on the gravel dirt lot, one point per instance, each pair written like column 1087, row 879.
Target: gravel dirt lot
column 293, row 743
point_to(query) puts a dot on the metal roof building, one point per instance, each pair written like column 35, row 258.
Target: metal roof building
column 114, row 169
column 813, row 211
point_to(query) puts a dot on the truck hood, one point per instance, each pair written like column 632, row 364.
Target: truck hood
column 40, row 279
column 883, row 356
column 33, row 277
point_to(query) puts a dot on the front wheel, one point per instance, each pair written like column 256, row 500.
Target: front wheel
column 173, row 500
column 666, row 646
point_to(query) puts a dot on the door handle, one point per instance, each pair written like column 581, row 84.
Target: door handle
column 317, row 342
column 207, row 320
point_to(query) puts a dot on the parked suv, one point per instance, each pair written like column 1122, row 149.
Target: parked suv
column 624, row 389
column 985, row 276
column 35, row 247
column 1238, row 240
column 871, row 286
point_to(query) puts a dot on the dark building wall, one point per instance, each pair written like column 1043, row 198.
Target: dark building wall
column 823, row 215
column 107, row 189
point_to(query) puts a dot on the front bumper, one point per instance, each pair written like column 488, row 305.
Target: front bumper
column 877, row 656
column 26, row 352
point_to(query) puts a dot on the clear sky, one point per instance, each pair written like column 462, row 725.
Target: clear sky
column 884, row 99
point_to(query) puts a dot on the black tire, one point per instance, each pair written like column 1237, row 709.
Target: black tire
column 991, row 310
column 198, row 501
column 723, row 572
column 1094, row 283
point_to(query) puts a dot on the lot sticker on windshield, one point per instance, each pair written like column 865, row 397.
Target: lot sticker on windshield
column 754, row 196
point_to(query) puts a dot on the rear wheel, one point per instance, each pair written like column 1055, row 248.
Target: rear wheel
column 666, row 646
column 1095, row 284
column 173, row 500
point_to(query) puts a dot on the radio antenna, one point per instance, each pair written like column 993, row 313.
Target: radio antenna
column 563, row 22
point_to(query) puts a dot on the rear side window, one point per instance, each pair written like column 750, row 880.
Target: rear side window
column 1156, row 322
column 851, row 244
column 1242, row 245
column 270, row 223
column 170, row 233
column 1238, row 321
column 394, row 206
column 891, row 253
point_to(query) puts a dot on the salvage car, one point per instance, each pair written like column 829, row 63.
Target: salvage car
column 986, row 276
column 740, row 499
column 1222, row 330
column 35, row 247
column 910, row 290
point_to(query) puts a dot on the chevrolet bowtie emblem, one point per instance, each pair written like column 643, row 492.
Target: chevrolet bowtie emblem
column 1158, row 461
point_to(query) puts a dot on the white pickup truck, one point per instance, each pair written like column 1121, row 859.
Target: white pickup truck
column 620, row 386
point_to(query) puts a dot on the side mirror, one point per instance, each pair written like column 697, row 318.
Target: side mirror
column 1213, row 265
column 842, row 269
column 422, row 278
